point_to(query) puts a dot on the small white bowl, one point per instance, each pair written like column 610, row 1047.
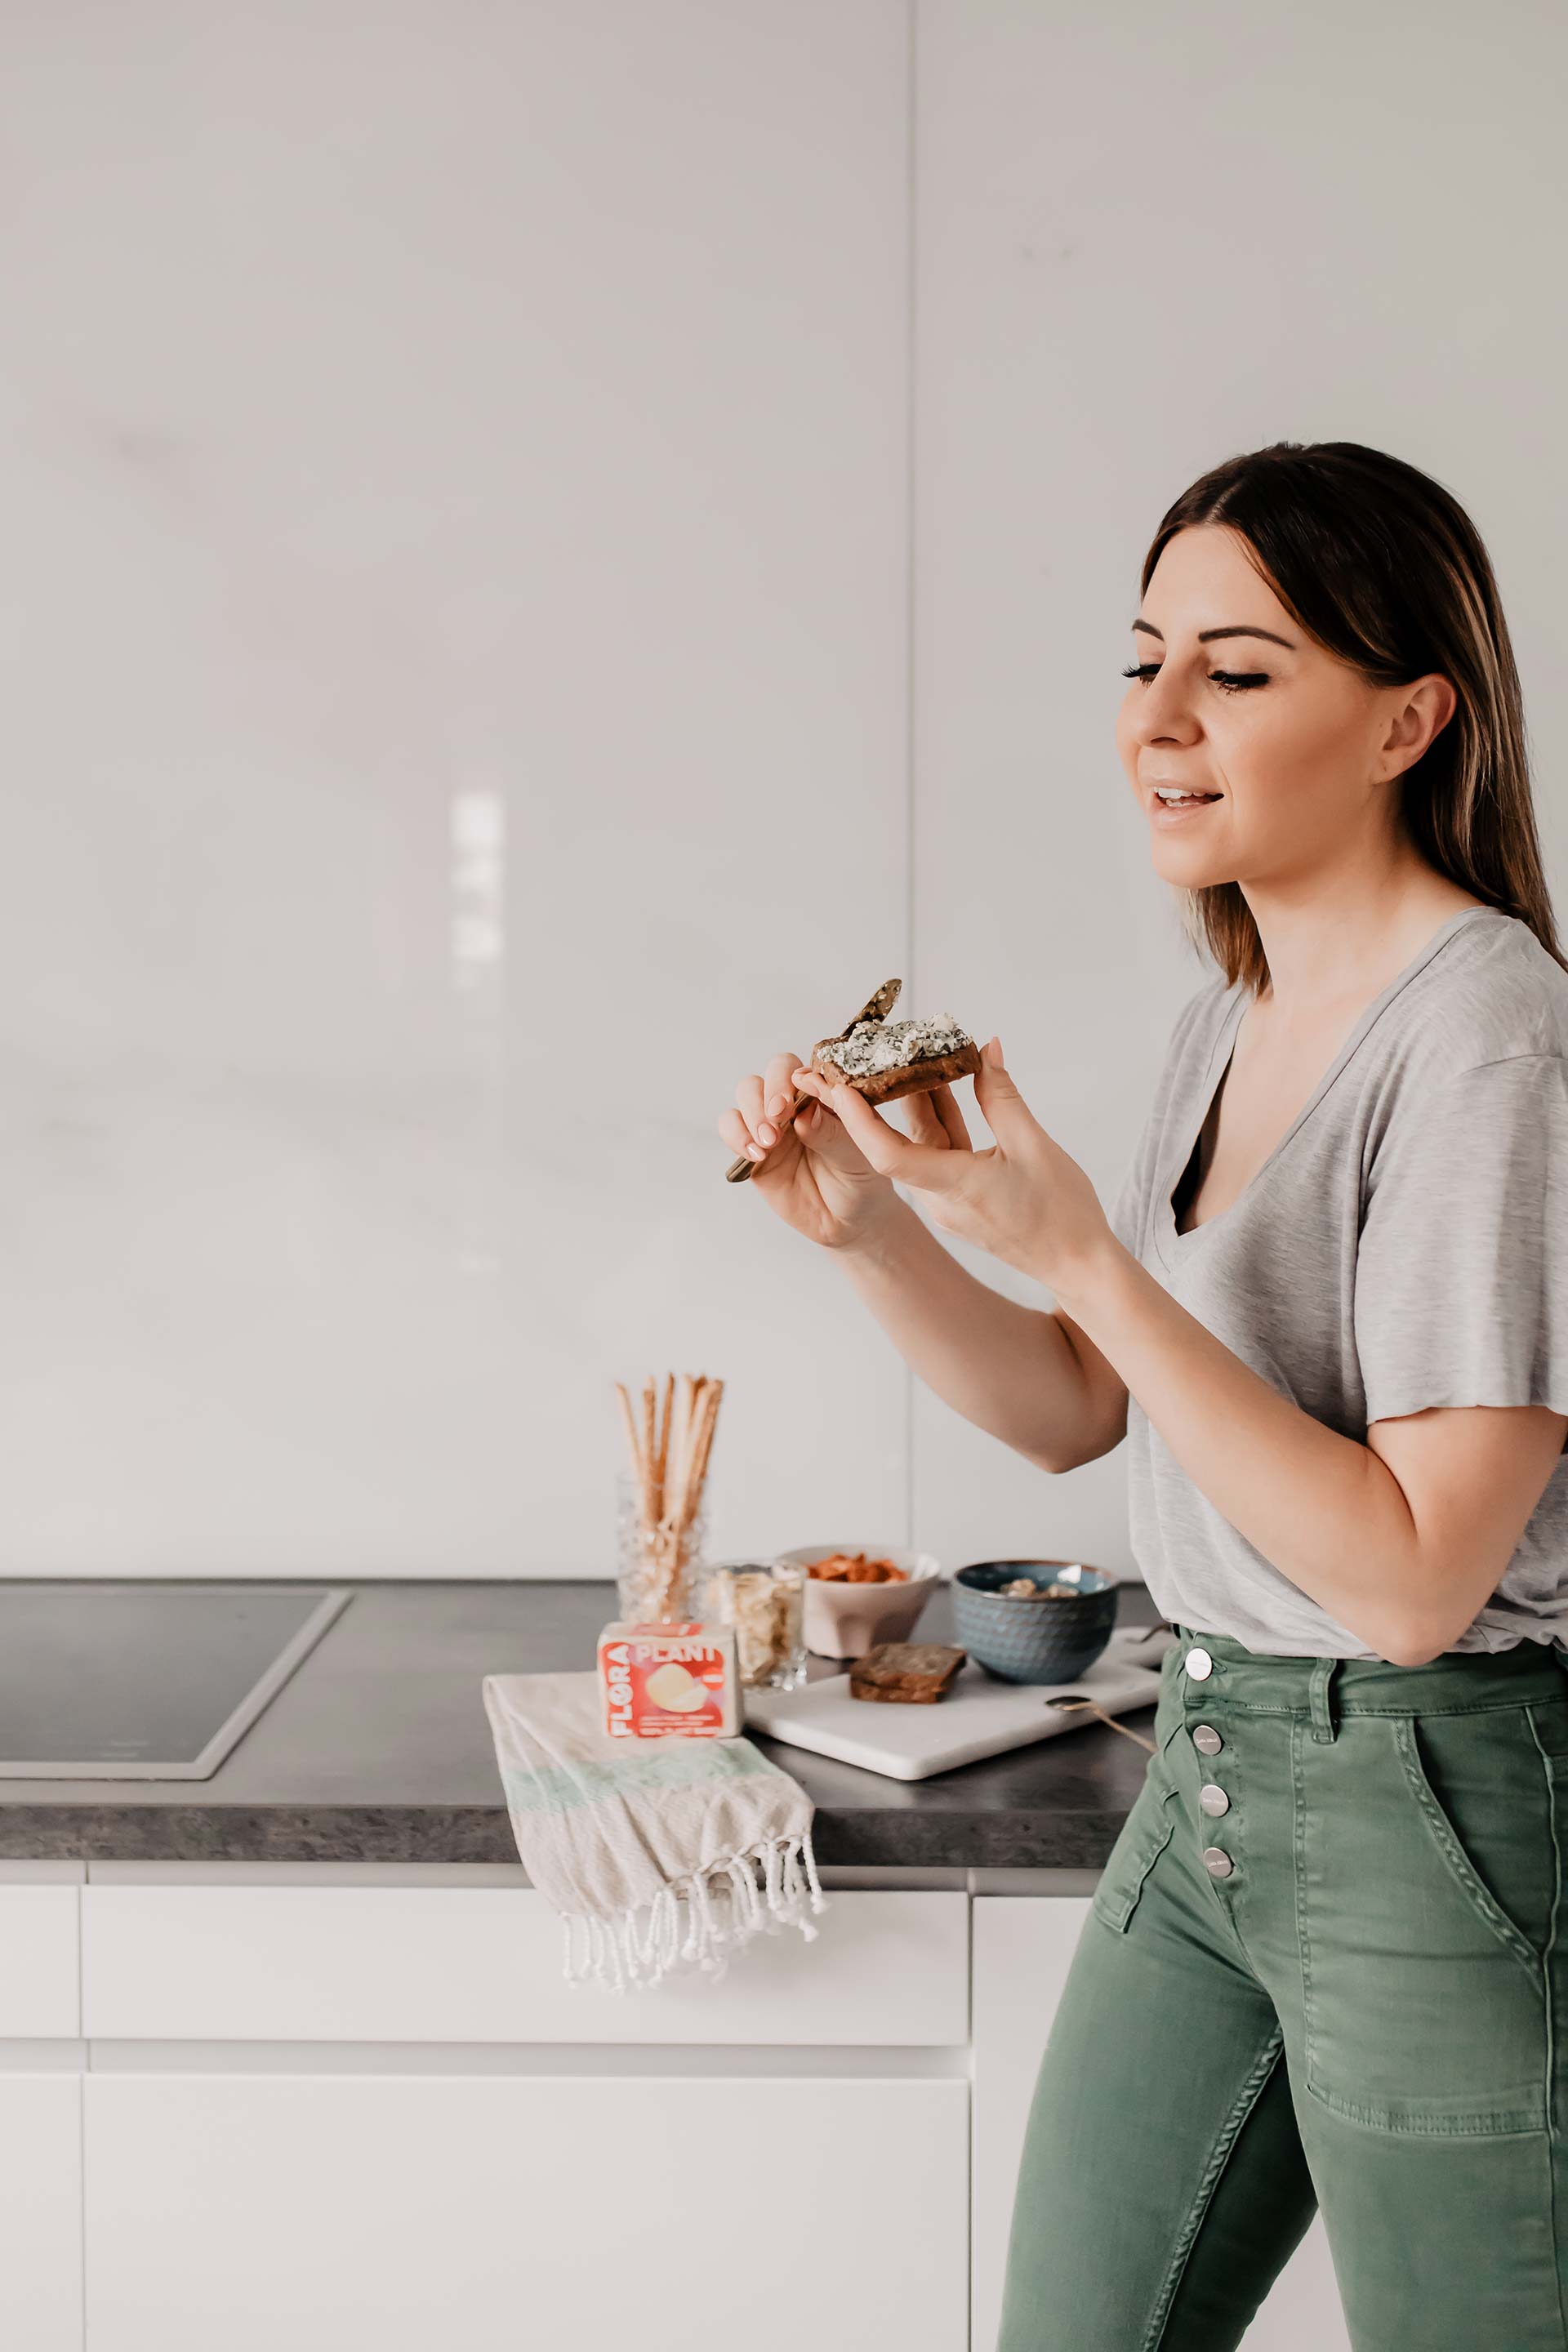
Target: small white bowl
column 845, row 1621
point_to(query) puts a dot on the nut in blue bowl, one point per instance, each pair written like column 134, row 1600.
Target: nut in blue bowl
column 1024, row 1637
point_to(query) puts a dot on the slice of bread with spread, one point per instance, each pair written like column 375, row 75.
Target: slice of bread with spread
column 906, row 1673
column 885, row 1059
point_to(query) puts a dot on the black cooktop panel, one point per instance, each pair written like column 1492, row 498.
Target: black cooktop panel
column 144, row 1681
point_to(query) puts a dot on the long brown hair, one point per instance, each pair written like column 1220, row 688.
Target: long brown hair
column 1382, row 566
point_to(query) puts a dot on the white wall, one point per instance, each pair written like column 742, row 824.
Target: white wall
column 548, row 550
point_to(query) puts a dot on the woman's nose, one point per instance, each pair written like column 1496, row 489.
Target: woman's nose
column 1162, row 714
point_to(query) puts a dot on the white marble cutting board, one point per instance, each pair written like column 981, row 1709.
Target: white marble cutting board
column 979, row 1716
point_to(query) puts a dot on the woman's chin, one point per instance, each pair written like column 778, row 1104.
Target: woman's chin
column 1188, row 872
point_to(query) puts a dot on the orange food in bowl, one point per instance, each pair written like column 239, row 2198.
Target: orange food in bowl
column 854, row 1568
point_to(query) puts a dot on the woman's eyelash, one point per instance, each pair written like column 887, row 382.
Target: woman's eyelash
column 1230, row 681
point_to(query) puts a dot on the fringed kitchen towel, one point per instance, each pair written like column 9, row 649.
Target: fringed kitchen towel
column 659, row 1855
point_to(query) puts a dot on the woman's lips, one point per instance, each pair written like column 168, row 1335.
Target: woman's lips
column 1166, row 813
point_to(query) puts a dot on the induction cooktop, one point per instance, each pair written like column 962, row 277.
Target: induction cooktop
column 141, row 1681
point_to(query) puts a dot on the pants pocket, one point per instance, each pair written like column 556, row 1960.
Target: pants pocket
column 1499, row 1849
column 1424, row 1998
column 1143, row 1838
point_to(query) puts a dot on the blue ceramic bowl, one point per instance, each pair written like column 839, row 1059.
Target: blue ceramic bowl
column 1025, row 1641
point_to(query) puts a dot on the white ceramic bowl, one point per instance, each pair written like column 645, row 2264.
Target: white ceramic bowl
column 845, row 1621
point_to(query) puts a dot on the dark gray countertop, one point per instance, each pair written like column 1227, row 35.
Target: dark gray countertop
column 378, row 1749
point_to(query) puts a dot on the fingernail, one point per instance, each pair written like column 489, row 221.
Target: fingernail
column 765, row 1133
column 993, row 1052
column 778, row 1106
column 756, row 1152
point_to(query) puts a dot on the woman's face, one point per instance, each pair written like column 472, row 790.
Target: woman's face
column 1292, row 749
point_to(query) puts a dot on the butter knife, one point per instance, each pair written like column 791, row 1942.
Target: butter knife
column 876, row 1008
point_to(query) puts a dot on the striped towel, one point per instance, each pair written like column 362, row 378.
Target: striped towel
column 659, row 1855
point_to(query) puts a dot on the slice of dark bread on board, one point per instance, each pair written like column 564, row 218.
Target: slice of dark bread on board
column 905, row 1077
column 908, row 1674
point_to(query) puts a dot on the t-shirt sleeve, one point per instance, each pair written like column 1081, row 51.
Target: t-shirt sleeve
column 1461, row 1275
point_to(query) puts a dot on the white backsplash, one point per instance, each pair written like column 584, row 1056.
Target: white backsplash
column 454, row 475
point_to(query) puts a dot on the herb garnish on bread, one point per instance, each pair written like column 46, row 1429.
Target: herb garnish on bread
column 885, row 1059
column 881, row 1059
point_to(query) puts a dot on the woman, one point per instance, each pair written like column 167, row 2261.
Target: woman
column 1327, row 1963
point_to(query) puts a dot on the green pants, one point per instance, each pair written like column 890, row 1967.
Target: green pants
column 1327, row 1965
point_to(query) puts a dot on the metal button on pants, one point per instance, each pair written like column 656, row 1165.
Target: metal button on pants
column 1206, row 1740
column 1212, row 1799
column 1199, row 1665
column 1217, row 1861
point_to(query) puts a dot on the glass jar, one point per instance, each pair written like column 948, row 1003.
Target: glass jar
column 764, row 1600
column 655, row 1569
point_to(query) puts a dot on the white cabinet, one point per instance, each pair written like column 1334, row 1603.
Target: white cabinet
column 1021, row 1949
column 329, row 2211
column 40, row 2212
column 40, row 2119
column 254, row 1963
column 39, row 1979
column 295, row 2179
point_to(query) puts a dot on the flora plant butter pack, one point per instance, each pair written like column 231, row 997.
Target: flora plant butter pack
column 662, row 1682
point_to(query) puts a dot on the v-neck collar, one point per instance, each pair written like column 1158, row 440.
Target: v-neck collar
column 1168, row 1239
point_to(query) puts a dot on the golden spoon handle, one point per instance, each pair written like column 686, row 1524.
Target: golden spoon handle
column 1075, row 1706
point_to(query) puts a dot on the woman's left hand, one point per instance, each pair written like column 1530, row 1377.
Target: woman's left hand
column 1022, row 1199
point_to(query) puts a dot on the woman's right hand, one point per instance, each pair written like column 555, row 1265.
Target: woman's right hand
column 812, row 1176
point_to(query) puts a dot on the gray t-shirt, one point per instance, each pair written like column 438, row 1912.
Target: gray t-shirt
column 1404, row 1245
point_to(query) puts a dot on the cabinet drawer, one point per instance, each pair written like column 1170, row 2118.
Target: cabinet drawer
column 249, row 2212
column 39, row 1989
column 483, row 1964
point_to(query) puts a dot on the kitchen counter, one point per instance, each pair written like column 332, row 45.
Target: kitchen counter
column 378, row 1750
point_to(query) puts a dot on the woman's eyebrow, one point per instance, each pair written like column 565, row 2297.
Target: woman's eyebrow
column 1206, row 635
